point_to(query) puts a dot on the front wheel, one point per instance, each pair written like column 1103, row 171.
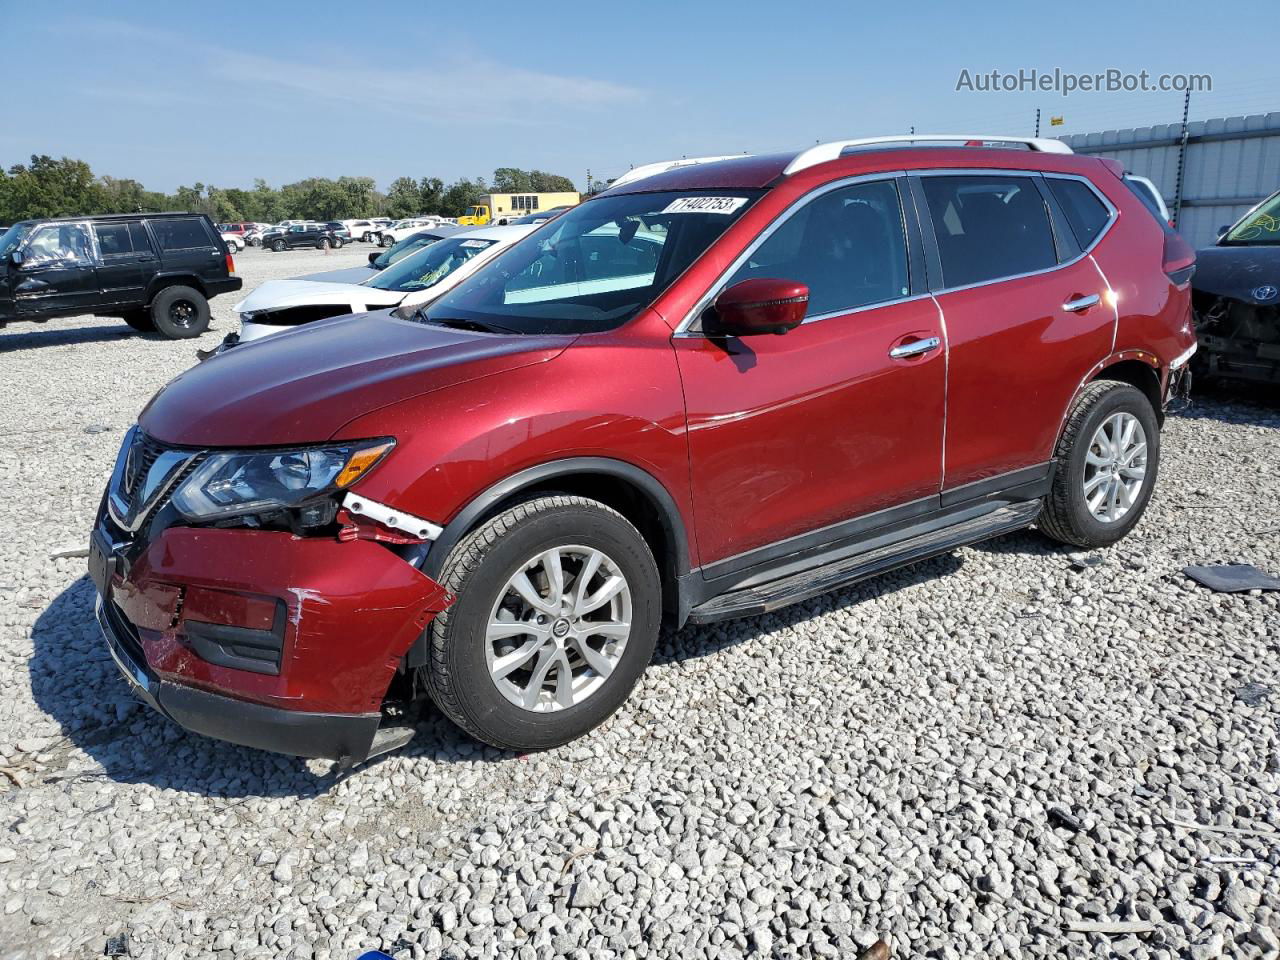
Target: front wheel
column 557, row 613
column 1107, row 461
column 278, row 246
column 385, row 241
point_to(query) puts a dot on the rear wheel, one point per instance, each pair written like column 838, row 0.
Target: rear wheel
column 323, row 244
column 385, row 241
column 180, row 313
column 1108, row 458
column 557, row 613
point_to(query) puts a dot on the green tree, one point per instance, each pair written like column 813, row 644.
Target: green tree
column 51, row 188
column 461, row 194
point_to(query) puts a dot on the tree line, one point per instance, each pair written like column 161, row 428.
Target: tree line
column 49, row 187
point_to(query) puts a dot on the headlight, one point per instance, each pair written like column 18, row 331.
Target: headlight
column 231, row 484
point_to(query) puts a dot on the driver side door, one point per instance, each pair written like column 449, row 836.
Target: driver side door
column 57, row 276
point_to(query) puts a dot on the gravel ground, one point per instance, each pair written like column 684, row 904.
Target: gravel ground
column 968, row 758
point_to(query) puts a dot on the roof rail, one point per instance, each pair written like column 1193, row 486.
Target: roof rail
column 653, row 169
column 831, row 151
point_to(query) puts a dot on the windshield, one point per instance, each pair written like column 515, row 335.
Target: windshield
column 474, row 211
column 596, row 266
column 10, row 239
column 1259, row 226
column 428, row 267
column 396, row 253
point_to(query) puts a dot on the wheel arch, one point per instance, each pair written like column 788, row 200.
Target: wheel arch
column 163, row 280
column 632, row 491
column 1138, row 368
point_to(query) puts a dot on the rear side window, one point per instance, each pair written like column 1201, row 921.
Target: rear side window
column 138, row 236
column 1087, row 214
column 989, row 227
column 847, row 245
column 113, row 239
column 180, row 234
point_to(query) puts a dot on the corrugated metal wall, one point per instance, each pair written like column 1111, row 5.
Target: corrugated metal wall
column 1231, row 164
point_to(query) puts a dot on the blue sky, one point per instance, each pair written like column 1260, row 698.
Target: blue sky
column 171, row 93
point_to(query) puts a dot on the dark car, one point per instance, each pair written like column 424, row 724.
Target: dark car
column 156, row 271
column 302, row 235
column 1236, row 299
column 410, row 244
column 710, row 392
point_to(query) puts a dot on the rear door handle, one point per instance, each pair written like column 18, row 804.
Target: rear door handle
column 1081, row 303
column 915, row 348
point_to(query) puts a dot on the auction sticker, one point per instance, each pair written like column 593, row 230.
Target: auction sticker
column 704, row 205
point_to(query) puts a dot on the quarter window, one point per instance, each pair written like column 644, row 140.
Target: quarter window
column 847, row 245
column 989, row 227
column 1086, row 214
column 180, row 234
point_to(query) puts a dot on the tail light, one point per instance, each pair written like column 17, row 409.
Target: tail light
column 1179, row 258
column 231, row 265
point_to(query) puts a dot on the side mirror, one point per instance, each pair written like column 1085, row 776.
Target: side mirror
column 16, row 258
column 760, row 305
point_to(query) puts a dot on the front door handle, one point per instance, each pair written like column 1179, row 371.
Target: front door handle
column 915, row 348
column 1081, row 303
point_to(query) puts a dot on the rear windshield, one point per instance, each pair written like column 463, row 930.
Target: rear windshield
column 596, row 266
column 428, row 267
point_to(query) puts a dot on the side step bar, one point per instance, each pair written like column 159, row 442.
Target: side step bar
column 762, row 598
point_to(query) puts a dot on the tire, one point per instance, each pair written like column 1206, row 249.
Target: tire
column 140, row 320
column 1067, row 515
column 479, row 572
column 337, row 243
column 323, row 243
column 385, row 241
column 278, row 246
column 180, row 313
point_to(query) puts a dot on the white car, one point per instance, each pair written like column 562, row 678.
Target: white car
column 234, row 242
column 1149, row 194
column 417, row 279
column 393, row 234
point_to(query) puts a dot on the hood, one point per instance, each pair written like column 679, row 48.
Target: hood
column 280, row 294
column 302, row 385
column 347, row 275
column 1238, row 271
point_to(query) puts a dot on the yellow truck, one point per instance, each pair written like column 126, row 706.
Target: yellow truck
column 500, row 208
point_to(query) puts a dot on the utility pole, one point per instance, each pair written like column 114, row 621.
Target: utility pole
column 1182, row 159
column 913, row 129
column 1037, row 121
column 588, row 181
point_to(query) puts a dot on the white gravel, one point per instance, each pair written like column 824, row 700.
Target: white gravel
column 968, row 758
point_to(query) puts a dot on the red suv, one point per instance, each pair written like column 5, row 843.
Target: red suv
column 714, row 390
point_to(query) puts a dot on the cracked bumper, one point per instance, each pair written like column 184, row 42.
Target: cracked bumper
column 344, row 615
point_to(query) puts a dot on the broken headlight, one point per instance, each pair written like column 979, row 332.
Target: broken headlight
column 262, row 481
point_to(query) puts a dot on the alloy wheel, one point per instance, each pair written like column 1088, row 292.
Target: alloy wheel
column 1115, row 467
column 558, row 628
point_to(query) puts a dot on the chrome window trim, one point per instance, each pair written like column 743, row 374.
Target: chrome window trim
column 716, row 288
column 1113, row 212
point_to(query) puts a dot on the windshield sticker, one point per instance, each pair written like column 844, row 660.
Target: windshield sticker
column 472, row 244
column 724, row 205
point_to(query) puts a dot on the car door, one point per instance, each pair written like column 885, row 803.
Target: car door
column 792, row 434
column 57, row 275
column 1027, row 316
column 125, row 262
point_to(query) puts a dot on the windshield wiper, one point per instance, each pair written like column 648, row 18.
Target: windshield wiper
column 459, row 324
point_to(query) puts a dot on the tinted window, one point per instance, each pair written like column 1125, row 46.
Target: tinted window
column 989, row 227
column 138, row 235
column 847, row 245
column 1085, row 212
column 113, row 239
column 180, row 234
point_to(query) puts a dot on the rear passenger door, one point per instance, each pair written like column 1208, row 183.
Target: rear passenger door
column 186, row 245
column 1027, row 314
column 125, row 262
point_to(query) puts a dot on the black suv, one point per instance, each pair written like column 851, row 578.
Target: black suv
column 156, row 271
column 315, row 235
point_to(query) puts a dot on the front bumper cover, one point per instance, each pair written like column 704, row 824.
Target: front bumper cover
column 335, row 736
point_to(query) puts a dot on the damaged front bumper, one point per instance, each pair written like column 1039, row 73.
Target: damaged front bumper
column 262, row 638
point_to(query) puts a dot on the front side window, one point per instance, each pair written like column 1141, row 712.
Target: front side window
column 66, row 243
column 180, row 234
column 848, row 246
column 10, row 239
column 595, row 267
column 989, row 227
column 428, row 267
column 1086, row 214
column 1260, row 226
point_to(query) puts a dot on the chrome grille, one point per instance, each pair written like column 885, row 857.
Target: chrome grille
column 145, row 474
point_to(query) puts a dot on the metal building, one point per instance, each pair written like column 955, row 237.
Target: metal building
column 1210, row 177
